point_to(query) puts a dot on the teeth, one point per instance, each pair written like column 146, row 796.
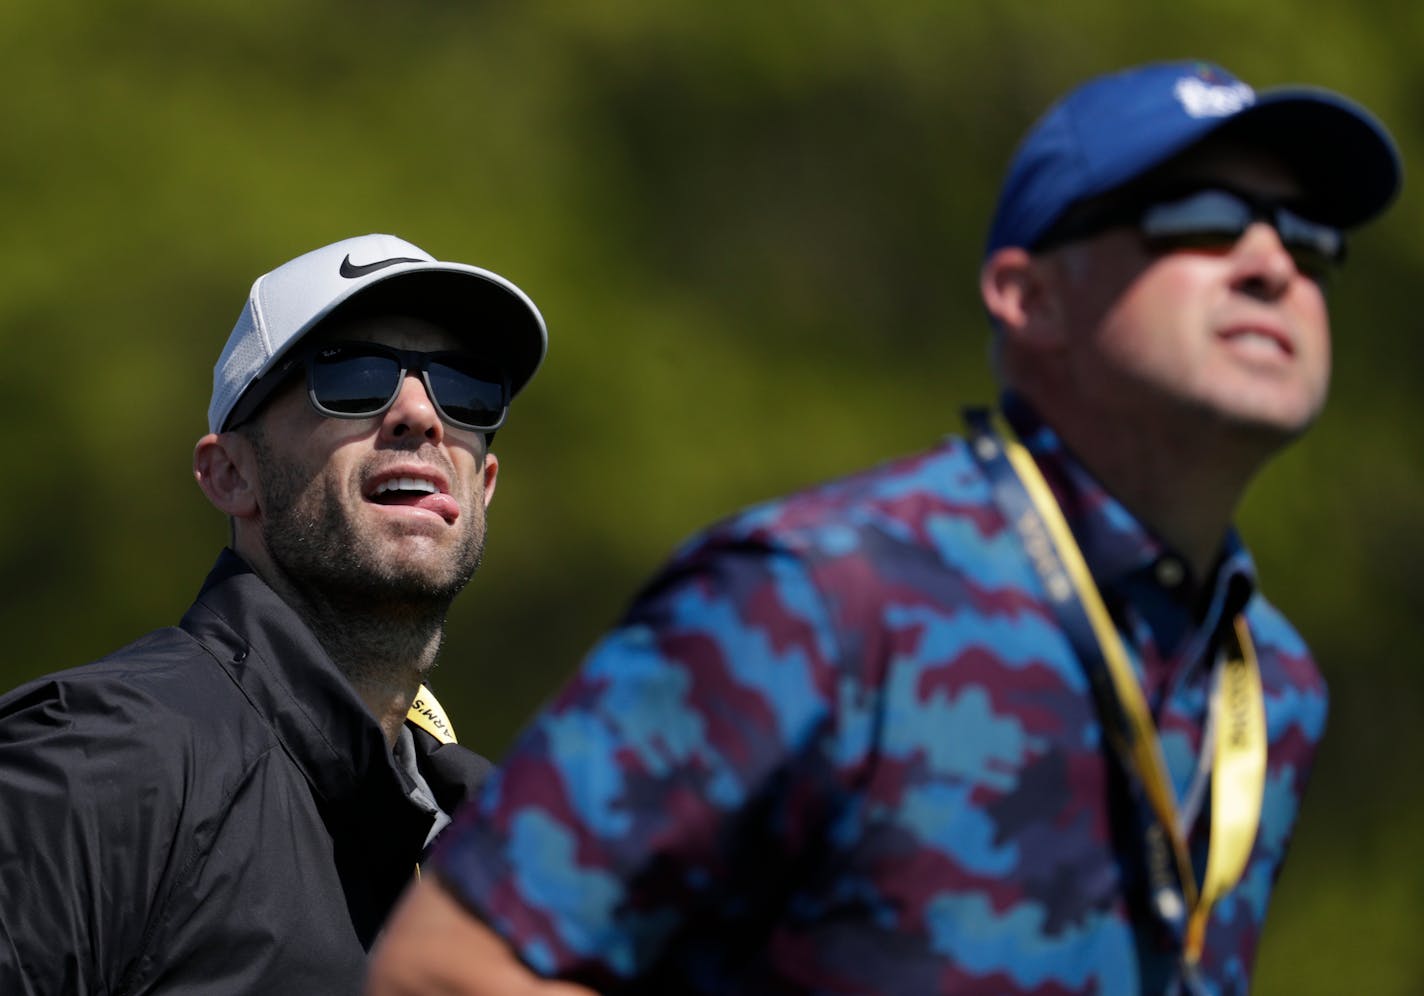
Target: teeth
column 1263, row 340
column 406, row 484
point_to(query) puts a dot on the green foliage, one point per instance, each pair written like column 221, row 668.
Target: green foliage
column 754, row 230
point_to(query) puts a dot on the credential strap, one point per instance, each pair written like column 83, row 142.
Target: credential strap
column 1237, row 705
column 426, row 713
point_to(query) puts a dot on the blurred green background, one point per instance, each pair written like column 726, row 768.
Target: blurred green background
column 754, row 230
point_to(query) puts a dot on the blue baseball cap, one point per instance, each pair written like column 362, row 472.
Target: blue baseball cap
column 1115, row 128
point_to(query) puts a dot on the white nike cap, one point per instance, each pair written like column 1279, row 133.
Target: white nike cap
column 492, row 315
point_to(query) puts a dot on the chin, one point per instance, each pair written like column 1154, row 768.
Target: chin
column 433, row 572
column 1285, row 406
column 1281, row 423
column 423, row 575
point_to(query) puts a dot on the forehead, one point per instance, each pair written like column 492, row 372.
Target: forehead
column 400, row 331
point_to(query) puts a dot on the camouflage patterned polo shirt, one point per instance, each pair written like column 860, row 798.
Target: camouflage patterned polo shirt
column 840, row 745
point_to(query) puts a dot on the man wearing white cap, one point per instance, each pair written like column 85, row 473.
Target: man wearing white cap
column 232, row 805
column 1010, row 715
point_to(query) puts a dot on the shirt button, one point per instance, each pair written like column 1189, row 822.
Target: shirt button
column 1170, row 572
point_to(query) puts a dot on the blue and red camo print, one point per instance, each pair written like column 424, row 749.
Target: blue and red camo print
column 841, row 746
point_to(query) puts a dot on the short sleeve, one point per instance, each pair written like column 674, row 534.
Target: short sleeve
column 673, row 784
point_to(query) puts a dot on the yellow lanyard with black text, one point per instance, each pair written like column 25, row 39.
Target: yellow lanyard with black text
column 1237, row 722
column 426, row 713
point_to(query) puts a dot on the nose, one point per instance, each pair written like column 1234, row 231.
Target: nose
column 1265, row 267
column 412, row 415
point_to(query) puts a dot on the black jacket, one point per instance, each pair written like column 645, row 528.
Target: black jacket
column 209, row 810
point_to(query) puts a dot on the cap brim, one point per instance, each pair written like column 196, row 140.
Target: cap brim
column 488, row 313
column 1344, row 159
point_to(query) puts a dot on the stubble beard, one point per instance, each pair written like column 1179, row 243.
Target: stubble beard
column 370, row 610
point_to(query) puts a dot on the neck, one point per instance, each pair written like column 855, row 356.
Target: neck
column 384, row 646
column 1183, row 484
column 385, row 655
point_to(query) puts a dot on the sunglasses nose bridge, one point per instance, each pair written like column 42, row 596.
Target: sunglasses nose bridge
column 412, row 406
column 415, row 366
column 1264, row 259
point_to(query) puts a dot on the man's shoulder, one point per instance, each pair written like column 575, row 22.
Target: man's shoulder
column 157, row 667
column 902, row 497
column 160, row 698
column 921, row 530
column 139, row 736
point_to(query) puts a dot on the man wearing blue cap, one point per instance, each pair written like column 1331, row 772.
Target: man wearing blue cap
column 1009, row 716
column 234, row 804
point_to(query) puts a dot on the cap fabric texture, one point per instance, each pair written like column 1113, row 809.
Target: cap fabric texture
column 492, row 315
column 1115, row 128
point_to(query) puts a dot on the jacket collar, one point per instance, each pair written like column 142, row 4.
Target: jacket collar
column 378, row 834
column 270, row 654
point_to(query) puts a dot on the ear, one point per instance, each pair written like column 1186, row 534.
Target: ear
column 1020, row 292
column 491, row 472
column 224, row 468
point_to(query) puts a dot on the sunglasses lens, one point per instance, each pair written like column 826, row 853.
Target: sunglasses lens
column 1315, row 247
column 348, row 382
column 469, row 393
column 1215, row 219
column 1207, row 219
column 357, row 380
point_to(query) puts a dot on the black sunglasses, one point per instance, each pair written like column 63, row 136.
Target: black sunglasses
column 1210, row 218
column 362, row 380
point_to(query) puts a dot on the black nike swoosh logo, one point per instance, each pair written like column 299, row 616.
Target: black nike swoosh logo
column 351, row 270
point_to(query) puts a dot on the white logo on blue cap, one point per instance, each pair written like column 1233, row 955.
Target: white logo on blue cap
column 1201, row 99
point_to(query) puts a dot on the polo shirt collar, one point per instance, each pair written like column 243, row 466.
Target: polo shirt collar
column 1118, row 548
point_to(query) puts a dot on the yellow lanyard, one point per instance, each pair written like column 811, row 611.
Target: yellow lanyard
column 426, row 713
column 1237, row 726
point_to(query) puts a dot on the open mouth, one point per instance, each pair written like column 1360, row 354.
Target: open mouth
column 1262, row 340
column 402, row 489
column 417, row 493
